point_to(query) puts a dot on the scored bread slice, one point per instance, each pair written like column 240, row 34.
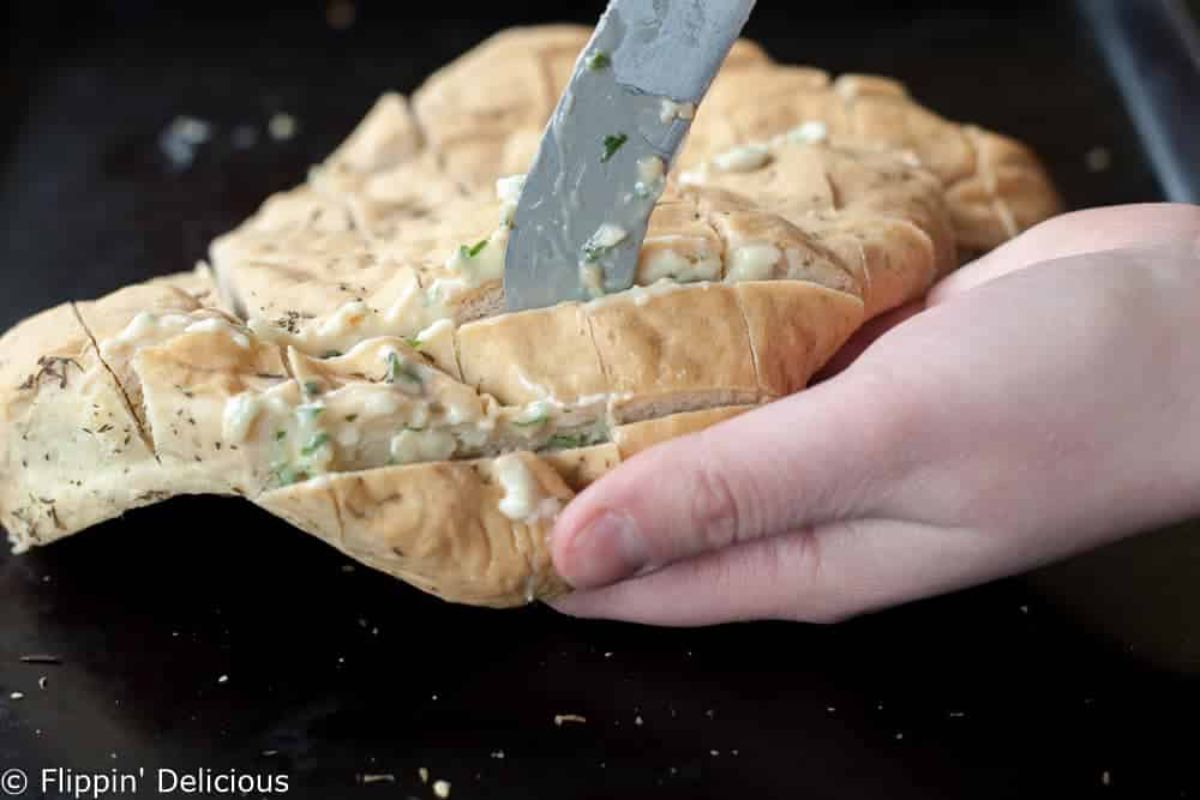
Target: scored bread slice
column 192, row 402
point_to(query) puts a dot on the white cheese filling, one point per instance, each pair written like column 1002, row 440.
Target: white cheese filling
column 743, row 159
column 752, row 262
column 524, row 499
column 669, row 111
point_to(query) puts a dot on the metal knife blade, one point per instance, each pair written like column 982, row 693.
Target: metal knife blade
column 581, row 218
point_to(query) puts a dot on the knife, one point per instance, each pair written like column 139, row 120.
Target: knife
column 582, row 213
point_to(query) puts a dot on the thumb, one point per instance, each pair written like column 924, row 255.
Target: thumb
column 1090, row 231
column 803, row 460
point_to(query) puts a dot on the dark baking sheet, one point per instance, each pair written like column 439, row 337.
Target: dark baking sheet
column 333, row 672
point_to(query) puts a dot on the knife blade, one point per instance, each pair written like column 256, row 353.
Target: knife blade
column 601, row 166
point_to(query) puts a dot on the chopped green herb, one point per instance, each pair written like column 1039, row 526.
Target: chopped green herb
column 413, row 341
column 612, row 143
column 286, row 475
column 331, row 354
column 565, row 442
column 598, row 60
column 351, row 417
column 473, row 250
column 397, row 370
column 312, row 388
column 280, row 435
column 315, row 443
column 592, row 251
column 311, row 411
column 537, row 419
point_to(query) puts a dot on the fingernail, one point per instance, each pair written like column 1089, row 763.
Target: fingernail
column 605, row 550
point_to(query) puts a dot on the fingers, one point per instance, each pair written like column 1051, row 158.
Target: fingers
column 797, row 462
column 1080, row 232
column 823, row 575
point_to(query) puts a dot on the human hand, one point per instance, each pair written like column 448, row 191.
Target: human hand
column 1024, row 415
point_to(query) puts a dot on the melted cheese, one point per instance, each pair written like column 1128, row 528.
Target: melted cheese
column 411, row 446
column 524, row 499
column 743, row 159
column 486, row 265
column 508, row 190
column 752, row 262
column 666, row 263
column 240, row 413
column 669, row 111
column 810, row 132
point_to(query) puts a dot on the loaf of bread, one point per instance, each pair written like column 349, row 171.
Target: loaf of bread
column 346, row 363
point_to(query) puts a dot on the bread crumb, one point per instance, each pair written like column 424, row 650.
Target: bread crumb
column 560, row 719
column 282, row 126
column 498, row 754
column 637, row 720
column 16, row 695
column 441, row 789
column 222, row 679
column 181, row 138
column 423, row 774
column 1106, row 778
column 385, row 777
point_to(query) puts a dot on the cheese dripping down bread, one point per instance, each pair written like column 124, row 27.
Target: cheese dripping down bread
column 355, row 376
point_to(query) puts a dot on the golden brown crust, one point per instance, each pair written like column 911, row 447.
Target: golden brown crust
column 533, row 355
column 62, row 416
column 794, row 328
column 663, row 352
column 437, row 526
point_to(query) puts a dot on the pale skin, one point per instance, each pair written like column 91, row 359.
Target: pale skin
column 1042, row 401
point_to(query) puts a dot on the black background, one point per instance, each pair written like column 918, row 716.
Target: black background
column 1020, row 689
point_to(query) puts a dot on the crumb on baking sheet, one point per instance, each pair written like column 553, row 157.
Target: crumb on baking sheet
column 377, row 777
column 282, row 126
column 423, row 774
column 181, row 138
column 562, row 719
column 441, row 789
column 16, row 695
column 40, row 658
